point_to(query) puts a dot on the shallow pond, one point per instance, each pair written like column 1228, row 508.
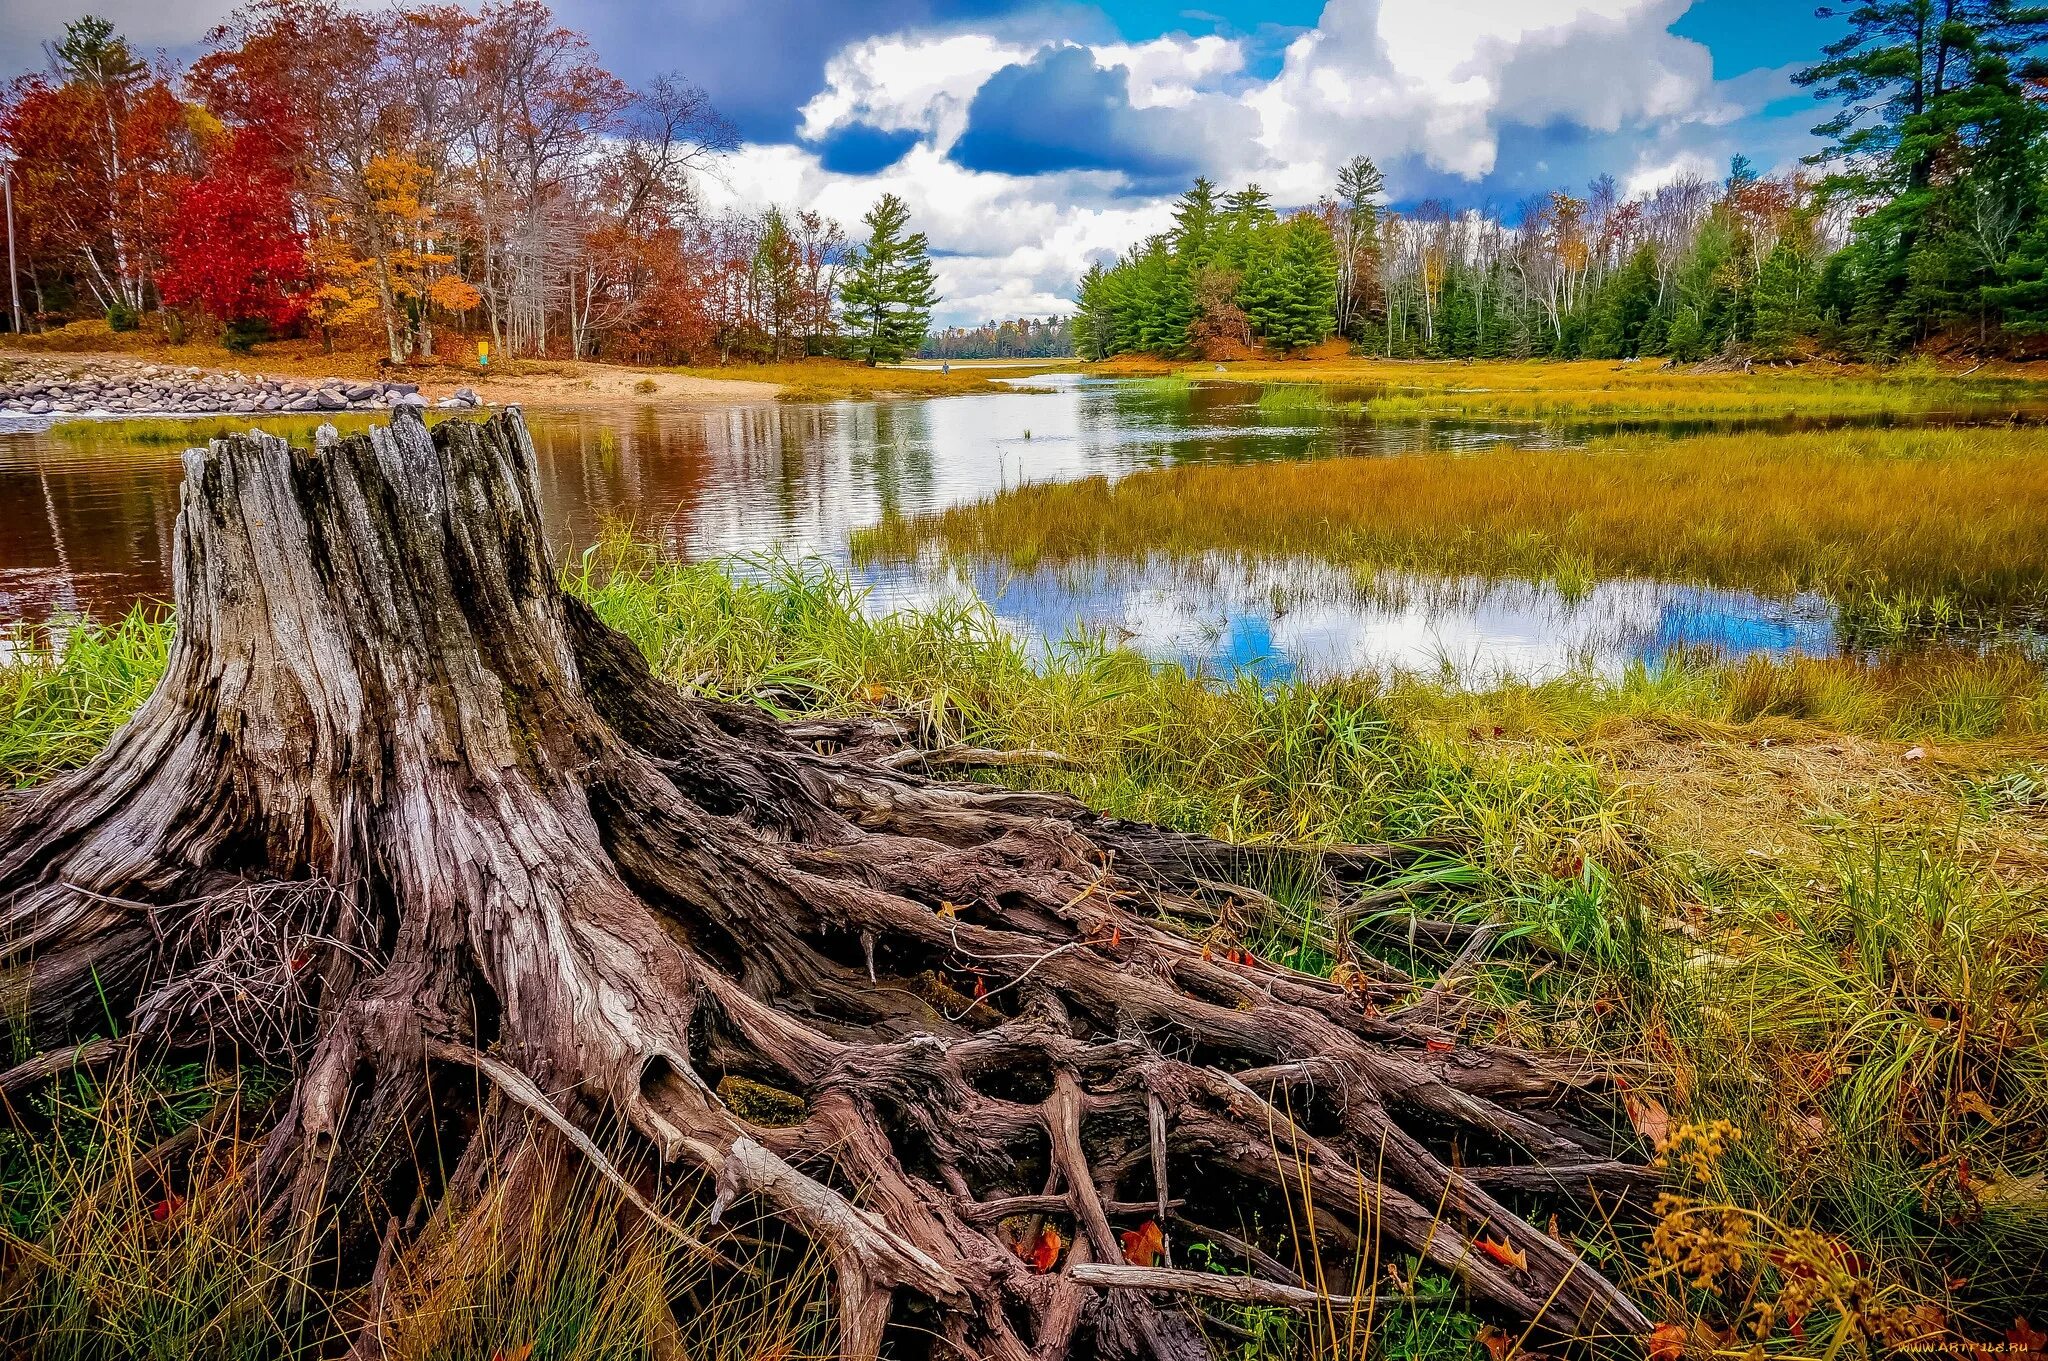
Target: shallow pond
column 87, row 527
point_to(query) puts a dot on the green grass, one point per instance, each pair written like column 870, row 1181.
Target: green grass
column 61, row 701
column 1957, row 518
column 188, row 431
column 1806, row 897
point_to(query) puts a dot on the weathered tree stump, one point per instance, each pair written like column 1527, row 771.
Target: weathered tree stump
column 442, row 831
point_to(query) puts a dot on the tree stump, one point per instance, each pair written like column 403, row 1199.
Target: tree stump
column 404, row 810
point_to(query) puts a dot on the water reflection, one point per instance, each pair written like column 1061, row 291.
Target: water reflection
column 87, row 527
column 1280, row 620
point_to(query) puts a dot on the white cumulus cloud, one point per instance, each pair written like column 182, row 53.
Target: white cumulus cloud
column 1427, row 89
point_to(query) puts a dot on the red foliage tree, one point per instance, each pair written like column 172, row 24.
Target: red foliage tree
column 91, row 160
column 234, row 249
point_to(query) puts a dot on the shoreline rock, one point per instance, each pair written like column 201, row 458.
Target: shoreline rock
column 35, row 385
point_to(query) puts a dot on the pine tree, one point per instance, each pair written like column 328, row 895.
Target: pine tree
column 889, row 292
column 1095, row 319
column 1784, row 298
column 1627, row 303
column 1932, row 130
column 1290, row 287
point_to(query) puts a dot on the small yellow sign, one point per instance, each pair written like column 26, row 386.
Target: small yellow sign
column 483, row 353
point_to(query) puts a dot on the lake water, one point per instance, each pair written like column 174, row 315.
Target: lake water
column 86, row 528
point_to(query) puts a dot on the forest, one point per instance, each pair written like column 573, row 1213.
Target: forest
column 388, row 179
column 1920, row 224
column 1021, row 338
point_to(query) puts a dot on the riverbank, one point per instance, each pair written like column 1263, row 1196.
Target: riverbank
column 92, row 352
column 1828, row 936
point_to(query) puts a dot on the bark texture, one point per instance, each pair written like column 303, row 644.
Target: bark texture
column 403, row 811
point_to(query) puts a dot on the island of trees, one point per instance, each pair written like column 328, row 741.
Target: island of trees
column 1920, row 223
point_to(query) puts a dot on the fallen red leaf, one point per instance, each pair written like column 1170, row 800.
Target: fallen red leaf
column 1144, row 1245
column 2026, row 1339
column 1439, row 1046
column 166, row 1207
column 1504, row 1253
column 1666, row 1342
column 1043, row 1250
column 1499, row 1346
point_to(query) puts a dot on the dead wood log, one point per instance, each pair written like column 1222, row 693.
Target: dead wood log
column 525, row 868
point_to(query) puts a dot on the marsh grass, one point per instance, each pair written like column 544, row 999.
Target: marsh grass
column 1732, row 883
column 1958, row 518
column 1599, row 388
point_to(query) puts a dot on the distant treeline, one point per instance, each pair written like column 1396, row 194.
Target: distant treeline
column 1024, row 338
column 1924, row 221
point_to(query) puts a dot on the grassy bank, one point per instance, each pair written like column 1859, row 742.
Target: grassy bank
column 1605, row 388
column 1804, row 898
column 1957, row 514
column 831, row 379
column 183, row 432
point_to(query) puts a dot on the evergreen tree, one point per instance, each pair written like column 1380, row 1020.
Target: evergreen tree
column 1095, row 319
column 1627, row 306
column 1290, row 288
column 1931, row 133
column 1784, row 297
column 889, row 291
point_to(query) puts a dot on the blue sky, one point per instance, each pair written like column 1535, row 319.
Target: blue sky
column 1032, row 138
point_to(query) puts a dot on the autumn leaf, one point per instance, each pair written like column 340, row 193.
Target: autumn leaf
column 949, row 909
column 1666, row 1342
column 165, row 1208
column 1499, row 1346
column 1042, row 1251
column 1649, row 1117
column 1439, row 1046
column 1973, row 1103
column 1505, row 1253
column 1144, row 1245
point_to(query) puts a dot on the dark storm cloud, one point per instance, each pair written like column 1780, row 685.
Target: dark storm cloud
column 760, row 60
column 1061, row 111
column 862, row 150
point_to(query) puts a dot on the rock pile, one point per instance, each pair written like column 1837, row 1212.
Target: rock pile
column 54, row 388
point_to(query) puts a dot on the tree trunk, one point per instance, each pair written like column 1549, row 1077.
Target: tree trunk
column 440, row 830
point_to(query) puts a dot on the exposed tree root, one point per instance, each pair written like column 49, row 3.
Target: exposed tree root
column 456, row 848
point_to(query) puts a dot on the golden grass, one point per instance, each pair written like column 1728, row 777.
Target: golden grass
column 1962, row 513
column 1551, row 388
